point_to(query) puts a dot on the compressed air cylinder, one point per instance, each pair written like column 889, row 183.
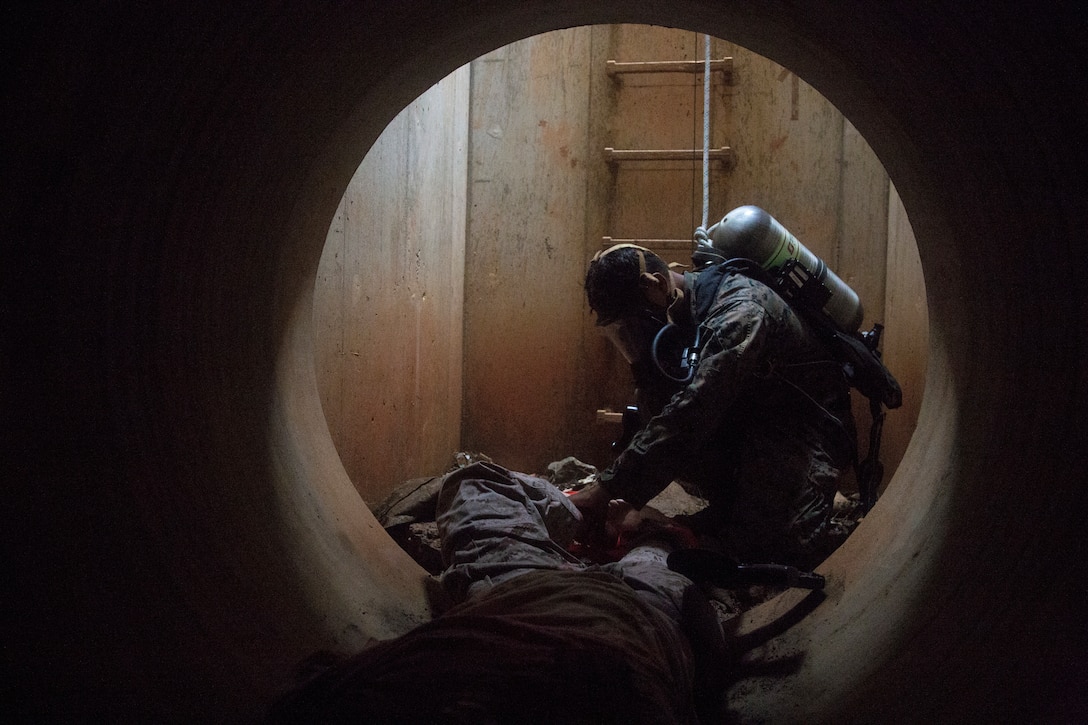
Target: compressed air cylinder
column 752, row 233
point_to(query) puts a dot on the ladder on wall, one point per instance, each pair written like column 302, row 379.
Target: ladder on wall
column 725, row 156
column 722, row 155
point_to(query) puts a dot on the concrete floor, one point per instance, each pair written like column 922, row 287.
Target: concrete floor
column 178, row 528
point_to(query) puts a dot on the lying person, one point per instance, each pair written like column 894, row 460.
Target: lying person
column 537, row 634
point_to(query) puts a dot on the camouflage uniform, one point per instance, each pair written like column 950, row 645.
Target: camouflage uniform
column 764, row 429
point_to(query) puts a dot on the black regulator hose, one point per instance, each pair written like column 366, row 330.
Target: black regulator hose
column 687, row 354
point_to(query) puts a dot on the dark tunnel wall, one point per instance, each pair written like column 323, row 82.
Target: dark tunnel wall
column 179, row 530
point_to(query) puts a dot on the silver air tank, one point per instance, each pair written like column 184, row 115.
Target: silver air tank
column 752, row 233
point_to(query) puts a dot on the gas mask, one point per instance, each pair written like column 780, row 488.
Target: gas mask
column 634, row 335
column 648, row 338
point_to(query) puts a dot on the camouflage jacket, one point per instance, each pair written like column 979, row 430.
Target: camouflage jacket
column 766, row 396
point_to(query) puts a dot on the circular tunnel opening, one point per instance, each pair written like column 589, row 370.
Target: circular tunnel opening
column 404, row 325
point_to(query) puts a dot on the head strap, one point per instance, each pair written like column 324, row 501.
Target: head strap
column 642, row 252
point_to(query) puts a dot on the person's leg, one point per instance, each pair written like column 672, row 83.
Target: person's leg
column 496, row 524
column 784, row 501
column 645, row 569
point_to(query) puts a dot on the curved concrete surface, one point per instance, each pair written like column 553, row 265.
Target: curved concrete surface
column 180, row 530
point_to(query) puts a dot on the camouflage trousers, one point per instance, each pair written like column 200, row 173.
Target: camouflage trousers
column 771, row 501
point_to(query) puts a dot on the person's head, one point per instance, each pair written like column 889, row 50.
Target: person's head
column 627, row 281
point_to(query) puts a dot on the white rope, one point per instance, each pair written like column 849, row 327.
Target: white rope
column 706, row 130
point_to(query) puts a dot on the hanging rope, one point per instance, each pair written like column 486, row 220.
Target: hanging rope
column 706, row 130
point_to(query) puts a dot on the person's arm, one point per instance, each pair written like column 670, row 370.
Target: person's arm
column 592, row 502
column 739, row 335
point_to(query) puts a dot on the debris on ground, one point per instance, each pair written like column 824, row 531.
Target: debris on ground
column 570, row 474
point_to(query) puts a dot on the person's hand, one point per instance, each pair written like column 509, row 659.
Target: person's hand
column 592, row 499
column 625, row 520
column 592, row 502
column 628, row 527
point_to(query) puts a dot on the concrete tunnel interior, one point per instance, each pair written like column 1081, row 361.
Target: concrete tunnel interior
column 182, row 532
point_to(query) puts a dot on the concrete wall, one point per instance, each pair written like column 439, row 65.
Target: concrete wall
column 907, row 319
column 387, row 326
column 178, row 529
column 524, row 396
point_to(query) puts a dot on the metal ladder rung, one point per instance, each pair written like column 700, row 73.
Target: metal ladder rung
column 724, row 65
column 613, row 156
column 662, row 244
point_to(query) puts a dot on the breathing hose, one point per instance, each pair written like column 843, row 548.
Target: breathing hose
column 688, row 357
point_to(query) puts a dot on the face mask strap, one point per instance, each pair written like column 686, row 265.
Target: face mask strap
column 642, row 252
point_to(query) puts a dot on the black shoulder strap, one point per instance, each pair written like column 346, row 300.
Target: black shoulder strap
column 860, row 358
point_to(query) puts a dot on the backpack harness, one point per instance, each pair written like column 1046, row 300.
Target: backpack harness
column 856, row 353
